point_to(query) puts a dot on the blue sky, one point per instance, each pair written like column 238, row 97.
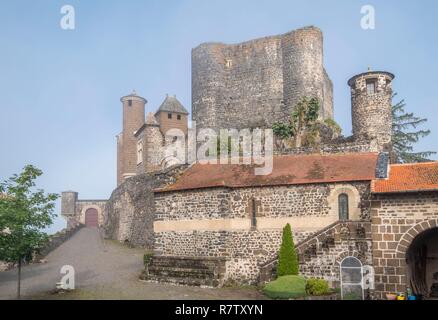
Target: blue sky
column 60, row 89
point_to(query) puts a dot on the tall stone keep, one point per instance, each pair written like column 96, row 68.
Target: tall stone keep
column 133, row 119
column 258, row 82
column 371, row 108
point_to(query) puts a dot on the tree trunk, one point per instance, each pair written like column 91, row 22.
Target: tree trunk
column 19, row 279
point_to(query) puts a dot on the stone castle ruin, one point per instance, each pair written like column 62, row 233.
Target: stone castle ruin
column 264, row 78
column 212, row 224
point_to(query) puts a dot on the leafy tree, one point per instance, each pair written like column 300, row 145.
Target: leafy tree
column 404, row 136
column 304, row 126
column 287, row 258
column 24, row 211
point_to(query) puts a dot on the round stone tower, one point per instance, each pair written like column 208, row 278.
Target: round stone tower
column 133, row 118
column 371, row 108
column 303, row 70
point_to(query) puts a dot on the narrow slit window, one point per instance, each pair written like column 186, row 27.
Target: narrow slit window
column 139, row 152
column 169, row 116
column 253, row 214
column 178, row 117
column 130, row 103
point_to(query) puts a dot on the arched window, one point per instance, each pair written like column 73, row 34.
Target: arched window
column 343, row 206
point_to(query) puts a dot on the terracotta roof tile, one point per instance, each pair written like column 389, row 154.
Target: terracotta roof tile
column 408, row 178
column 287, row 170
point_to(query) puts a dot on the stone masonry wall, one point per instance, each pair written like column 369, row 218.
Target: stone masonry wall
column 83, row 205
column 337, row 146
column 396, row 221
column 216, row 222
column 130, row 211
column 263, row 78
column 321, row 254
column 245, row 249
column 73, row 209
column 273, row 202
column 152, row 141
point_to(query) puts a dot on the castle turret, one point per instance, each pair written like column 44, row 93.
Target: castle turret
column 172, row 115
column 133, row 119
column 303, row 70
column 371, row 108
column 68, row 206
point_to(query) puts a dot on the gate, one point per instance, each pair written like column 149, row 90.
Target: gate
column 91, row 218
column 351, row 279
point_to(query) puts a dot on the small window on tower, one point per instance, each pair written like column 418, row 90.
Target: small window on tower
column 178, row 117
column 169, row 116
column 130, row 103
column 139, row 152
column 371, row 86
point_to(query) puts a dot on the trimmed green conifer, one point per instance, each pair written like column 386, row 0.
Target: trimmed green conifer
column 287, row 258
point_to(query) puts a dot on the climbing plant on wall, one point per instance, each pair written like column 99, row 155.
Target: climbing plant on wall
column 303, row 126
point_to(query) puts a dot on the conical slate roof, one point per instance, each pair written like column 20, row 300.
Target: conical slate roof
column 171, row 104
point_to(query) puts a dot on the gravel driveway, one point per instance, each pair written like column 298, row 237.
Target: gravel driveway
column 103, row 270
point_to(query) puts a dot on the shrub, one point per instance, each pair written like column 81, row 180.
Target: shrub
column 286, row 287
column 147, row 259
column 317, row 287
column 282, row 130
column 287, row 258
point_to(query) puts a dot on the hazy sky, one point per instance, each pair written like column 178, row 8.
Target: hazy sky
column 60, row 90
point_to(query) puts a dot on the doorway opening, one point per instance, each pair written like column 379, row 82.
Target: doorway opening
column 422, row 261
column 91, row 218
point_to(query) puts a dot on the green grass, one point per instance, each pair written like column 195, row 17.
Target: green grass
column 286, row 287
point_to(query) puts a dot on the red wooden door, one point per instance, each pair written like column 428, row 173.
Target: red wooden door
column 91, row 218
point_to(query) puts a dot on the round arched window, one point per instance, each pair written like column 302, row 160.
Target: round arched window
column 343, row 206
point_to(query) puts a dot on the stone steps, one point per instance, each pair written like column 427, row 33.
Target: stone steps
column 193, row 271
column 175, row 272
column 184, row 281
column 321, row 244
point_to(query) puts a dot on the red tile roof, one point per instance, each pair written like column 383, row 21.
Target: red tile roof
column 287, row 170
column 408, row 178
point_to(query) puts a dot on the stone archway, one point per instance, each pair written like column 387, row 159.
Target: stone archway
column 351, row 253
column 417, row 253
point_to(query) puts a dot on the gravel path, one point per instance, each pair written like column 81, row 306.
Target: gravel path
column 103, row 270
